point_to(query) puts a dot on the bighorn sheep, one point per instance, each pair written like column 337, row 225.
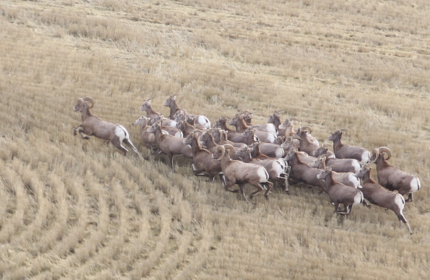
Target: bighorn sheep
column 276, row 167
column 94, row 126
column 207, row 140
column 187, row 128
column 151, row 113
column 171, row 130
column 171, row 103
column 302, row 171
column 272, row 150
column 170, row 145
column 338, row 164
column 148, row 139
column 283, row 129
column 238, row 172
column 377, row 195
column 286, row 128
column 339, row 193
column 203, row 162
column 268, row 127
column 308, row 143
column 247, row 137
column 264, row 136
column 347, row 151
column 346, row 178
column 392, row 177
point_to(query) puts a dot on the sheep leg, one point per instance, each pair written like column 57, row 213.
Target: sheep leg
column 228, row 185
column 346, row 210
column 81, row 132
column 268, row 188
column 259, row 187
column 153, row 153
column 366, row 204
column 75, row 131
column 242, row 191
column 117, row 143
column 222, row 178
column 286, row 185
column 336, row 206
column 410, row 198
column 130, row 144
column 171, row 163
column 403, row 219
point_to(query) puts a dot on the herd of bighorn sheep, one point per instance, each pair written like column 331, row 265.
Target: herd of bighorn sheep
column 262, row 155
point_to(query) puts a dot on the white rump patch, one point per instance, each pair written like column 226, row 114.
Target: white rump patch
column 280, row 153
column 204, row 121
column 400, row 201
column 356, row 166
column 120, row 131
column 365, row 157
column 262, row 174
column 415, row 185
column 278, row 167
column 271, row 138
column 353, row 179
column 358, row 198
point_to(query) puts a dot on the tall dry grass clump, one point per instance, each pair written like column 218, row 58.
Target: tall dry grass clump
column 74, row 208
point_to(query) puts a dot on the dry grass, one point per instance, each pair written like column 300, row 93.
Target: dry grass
column 75, row 209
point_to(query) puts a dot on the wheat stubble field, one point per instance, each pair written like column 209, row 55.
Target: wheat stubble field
column 77, row 209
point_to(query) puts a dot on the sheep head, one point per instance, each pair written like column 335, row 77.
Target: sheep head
column 169, row 100
column 320, row 162
column 363, row 171
column 337, row 135
column 324, row 174
column 83, row 103
column 142, row 121
column 146, row 105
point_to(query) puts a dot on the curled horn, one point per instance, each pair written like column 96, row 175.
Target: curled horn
column 229, row 148
column 375, row 155
column 385, row 150
column 306, row 128
column 295, row 136
column 90, row 100
column 222, row 150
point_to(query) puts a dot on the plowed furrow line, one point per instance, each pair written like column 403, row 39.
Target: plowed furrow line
column 182, row 236
column 176, row 259
column 108, row 255
column 53, row 233
column 74, row 240
column 97, row 228
column 59, row 225
column 132, row 250
column 143, row 268
column 34, row 230
column 4, row 198
column 195, row 262
column 16, row 207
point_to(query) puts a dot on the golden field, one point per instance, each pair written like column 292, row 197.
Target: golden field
column 77, row 209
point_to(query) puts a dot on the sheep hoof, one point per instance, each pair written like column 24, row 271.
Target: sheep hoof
column 86, row 137
column 287, row 191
